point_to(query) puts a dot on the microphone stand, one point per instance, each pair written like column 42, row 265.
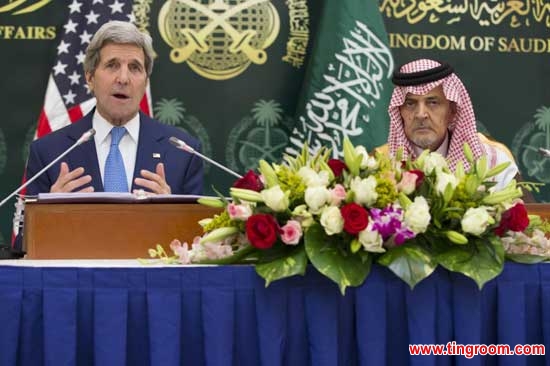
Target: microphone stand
column 7, row 252
column 183, row 146
column 85, row 137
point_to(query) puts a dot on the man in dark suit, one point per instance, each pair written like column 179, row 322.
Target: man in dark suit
column 118, row 64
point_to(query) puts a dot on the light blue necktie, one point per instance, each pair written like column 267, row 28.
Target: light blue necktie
column 115, row 174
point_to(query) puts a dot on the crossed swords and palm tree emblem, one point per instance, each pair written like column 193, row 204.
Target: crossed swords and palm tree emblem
column 219, row 13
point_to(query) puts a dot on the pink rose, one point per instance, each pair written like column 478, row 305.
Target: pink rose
column 291, row 232
column 410, row 181
column 337, row 194
column 239, row 212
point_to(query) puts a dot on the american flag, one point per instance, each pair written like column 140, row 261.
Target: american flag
column 67, row 96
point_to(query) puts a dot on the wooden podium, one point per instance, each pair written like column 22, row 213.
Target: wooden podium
column 120, row 230
column 108, row 230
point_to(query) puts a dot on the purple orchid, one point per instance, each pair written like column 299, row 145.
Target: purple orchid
column 389, row 222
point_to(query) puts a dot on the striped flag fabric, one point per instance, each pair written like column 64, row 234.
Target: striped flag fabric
column 67, row 96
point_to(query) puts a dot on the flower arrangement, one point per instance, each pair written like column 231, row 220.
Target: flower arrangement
column 343, row 215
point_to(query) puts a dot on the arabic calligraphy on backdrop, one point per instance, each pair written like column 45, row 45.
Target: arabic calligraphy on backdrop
column 517, row 13
column 296, row 46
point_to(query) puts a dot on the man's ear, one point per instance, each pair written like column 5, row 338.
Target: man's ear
column 90, row 81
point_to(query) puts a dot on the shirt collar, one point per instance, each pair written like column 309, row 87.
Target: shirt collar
column 103, row 128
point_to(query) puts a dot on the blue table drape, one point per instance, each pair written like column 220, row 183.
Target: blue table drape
column 225, row 316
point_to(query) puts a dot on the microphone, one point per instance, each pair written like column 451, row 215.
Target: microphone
column 85, row 137
column 544, row 152
column 183, row 146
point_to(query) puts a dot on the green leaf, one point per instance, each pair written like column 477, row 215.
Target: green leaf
column 404, row 201
column 410, row 262
column 293, row 264
column 481, row 260
column 354, row 246
column 334, row 260
column 526, row 258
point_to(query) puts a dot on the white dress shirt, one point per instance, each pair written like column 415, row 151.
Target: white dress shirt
column 127, row 146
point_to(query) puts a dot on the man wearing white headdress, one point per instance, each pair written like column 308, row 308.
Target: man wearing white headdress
column 430, row 108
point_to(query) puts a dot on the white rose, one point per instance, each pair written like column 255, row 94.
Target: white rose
column 476, row 220
column 275, row 198
column 313, row 179
column 316, row 198
column 332, row 220
column 365, row 190
column 367, row 161
column 443, row 179
column 434, row 160
column 417, row 216
column 371, row 240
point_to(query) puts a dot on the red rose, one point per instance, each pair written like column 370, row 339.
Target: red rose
column 262, row 230
column 337, row 166
column 514, row 219
column 251, row 181
column 356, row 218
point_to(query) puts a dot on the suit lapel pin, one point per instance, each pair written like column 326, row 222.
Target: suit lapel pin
column 156, row 155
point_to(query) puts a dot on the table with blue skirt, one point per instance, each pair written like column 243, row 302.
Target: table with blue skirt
column 122, row 313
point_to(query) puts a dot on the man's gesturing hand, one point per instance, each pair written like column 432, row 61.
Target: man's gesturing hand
column 68, row 181
column 155, row 182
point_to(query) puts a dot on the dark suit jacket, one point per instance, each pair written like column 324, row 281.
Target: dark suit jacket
column 184, row 172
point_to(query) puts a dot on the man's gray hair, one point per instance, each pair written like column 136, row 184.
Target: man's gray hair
column 118, row 32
